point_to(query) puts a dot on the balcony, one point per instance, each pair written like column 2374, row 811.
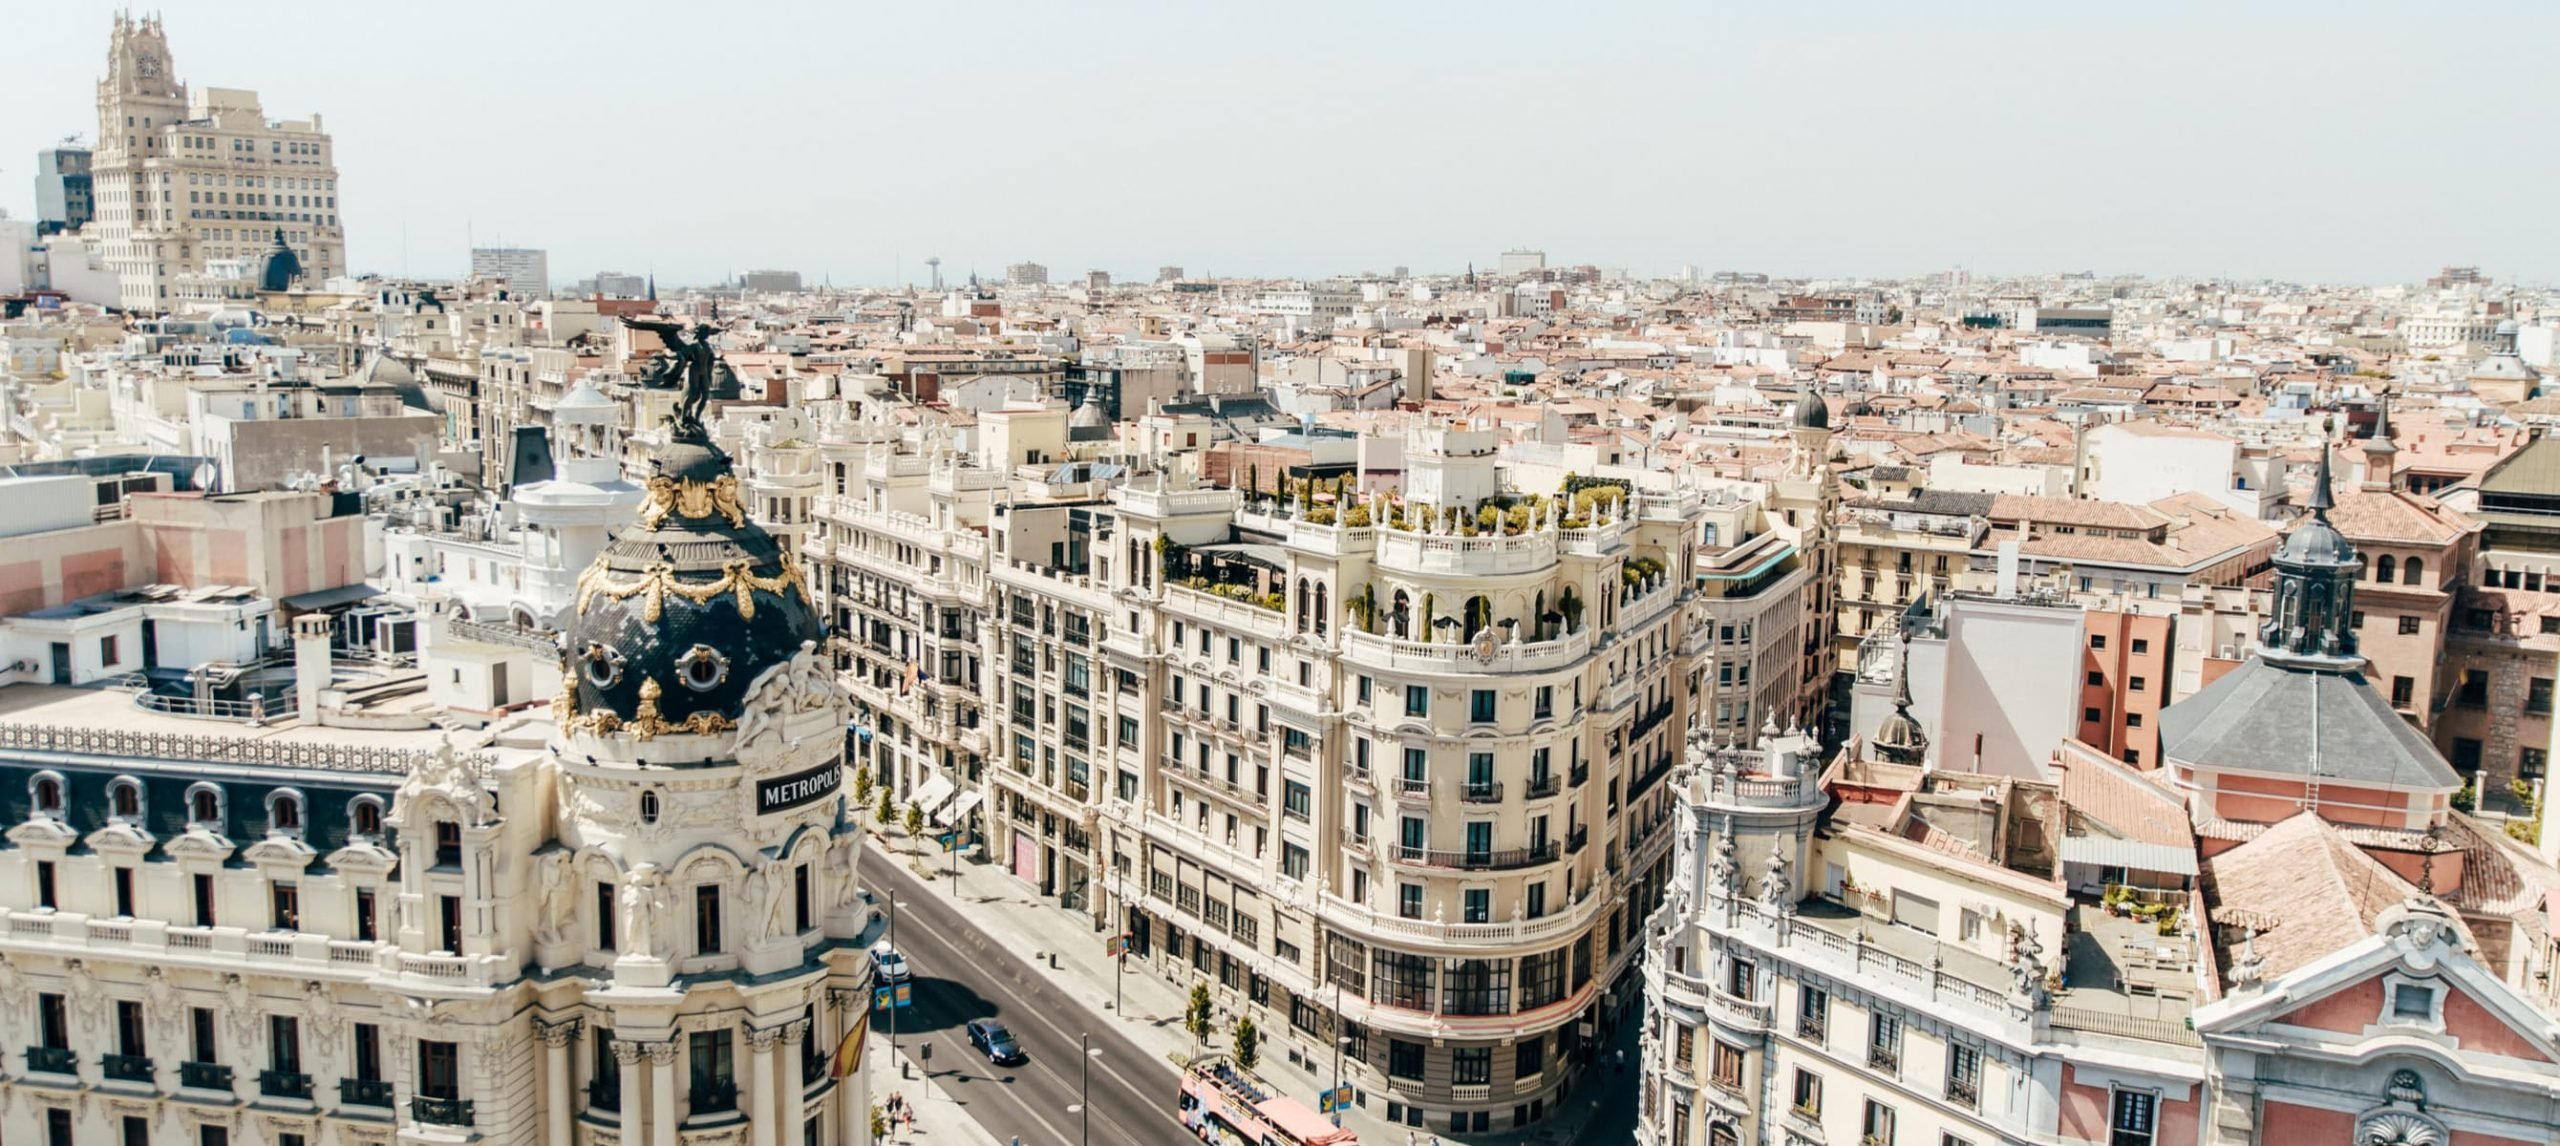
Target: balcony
column 204, row 1076
column 1481, row 792
column 1965, row 1094
column 1575, row 839
column 126, row 1067
column 1396, row 655
column 53, row 1060
column 604, row 1095
column 714, row 1098
column 364, row 1092
column 440, row 1111
column 1414, row 786
column 1541, row 787
column 284, row 1084
column 1502, row 860
column 1886, row 1059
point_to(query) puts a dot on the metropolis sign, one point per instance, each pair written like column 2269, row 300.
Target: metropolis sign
column 783, row 793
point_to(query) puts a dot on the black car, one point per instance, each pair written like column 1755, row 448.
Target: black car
column 990, row 1037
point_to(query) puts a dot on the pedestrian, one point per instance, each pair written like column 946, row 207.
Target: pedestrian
column 1409, row 1139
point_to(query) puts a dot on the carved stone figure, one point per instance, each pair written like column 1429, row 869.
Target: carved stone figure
column 812, row 685
column 694, row 365
column 840, row 867
column 756, row 892
column 160, row 996
column 643, row 895
column 320, row 1011
column 240, row 1008
column 557, row 908
column 86, row 1001
column 777, row 902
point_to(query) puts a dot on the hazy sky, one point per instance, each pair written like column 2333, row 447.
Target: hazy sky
column 2315, row 140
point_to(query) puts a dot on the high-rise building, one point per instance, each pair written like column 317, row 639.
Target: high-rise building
column 526, row 269
column 193, row 190
column 1026, row 274
column 770, row 282
column 1168, row 273
column 1522, row 262
column 63, row 200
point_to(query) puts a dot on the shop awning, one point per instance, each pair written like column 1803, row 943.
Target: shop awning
column 930, row 794
column 958, row 812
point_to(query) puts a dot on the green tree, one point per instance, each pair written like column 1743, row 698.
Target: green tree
column 1248, row 1042
column 888, row 807
column 1196, row 1015
column 915, row 819
column 862, row 786
column 879, row 1123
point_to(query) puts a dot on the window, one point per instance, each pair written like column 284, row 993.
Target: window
column 2141, row 646
column 1480, row 706
column 2537, row 696
column 2131, row 1120
column 1479, row 905
column 439, row 1069
column 2531, row 762
column 137, row 1130
column 1471, row 1066
column 1808, row 1093
column 2096, row 640
column 2414, row 1002
column 124, row 891
column 2475, row 689
column 2137, row 684
column 1725, row 1061
column 47, row 793
column 2384, row 567
column 2096, row 678
column 284, row 903
column 1417, row 700
column 107, row 652
column 204, row 805
column 203, row 887
column 1739, row 978
column 57, row 1126
column 2413, row 571
column 284, row 1044
column 1884, row 1043
column 44, row 884
column 604, row 916
column 1409, row 900
column 449, row 838
column 1293, row 861
column 1964, row 1075
column 2091, row 716
column 1878, row 1125
column 284, row 812
column 706, row 919
column 1813, row 1013
column 1529, row 1058
column 125, row 800
column 2403, row 691
column 1296, row 799
column 713, row 1083
column 366, row 812
column 802, row 901
column 2408, row 626
column 1402, row 979
column 1545, row 704
column 1404, row 1060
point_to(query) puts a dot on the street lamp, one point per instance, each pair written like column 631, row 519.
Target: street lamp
column 894, row 905
column 1083, row 1108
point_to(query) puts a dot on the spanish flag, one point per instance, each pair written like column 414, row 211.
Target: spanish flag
column 849, row 1051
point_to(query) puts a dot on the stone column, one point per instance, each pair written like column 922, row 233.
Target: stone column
column 760, row 1044
column 852, row 1112
column 662, row 1095
column 795, row 1085
column 557, row 1106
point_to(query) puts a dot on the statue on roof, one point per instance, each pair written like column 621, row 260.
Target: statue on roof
column 695, row 366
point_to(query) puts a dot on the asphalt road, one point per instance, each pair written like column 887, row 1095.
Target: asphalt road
column 961, row 975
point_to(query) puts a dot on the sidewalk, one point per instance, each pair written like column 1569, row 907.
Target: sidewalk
column 1072, row 955
column 939, row 1119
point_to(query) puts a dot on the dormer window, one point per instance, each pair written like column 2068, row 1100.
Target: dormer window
column 702, row 668
column 365, row 812
column 204, row 806
column 47, row 792
column 284, row 812
column 124, row 799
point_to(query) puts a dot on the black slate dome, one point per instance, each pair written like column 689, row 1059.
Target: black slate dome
column 282, row 266
column 684, row 610
column 1811, row 412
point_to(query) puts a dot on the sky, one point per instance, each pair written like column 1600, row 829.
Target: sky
column 2313, row 141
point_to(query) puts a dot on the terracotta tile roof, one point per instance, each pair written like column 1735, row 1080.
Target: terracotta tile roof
column 2397, row 515
column 2305, row 890
column 2123, row 799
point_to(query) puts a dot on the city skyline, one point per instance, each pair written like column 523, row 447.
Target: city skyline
column 2256, row 145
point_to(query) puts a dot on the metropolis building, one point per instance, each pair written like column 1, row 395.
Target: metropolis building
column 634, row 923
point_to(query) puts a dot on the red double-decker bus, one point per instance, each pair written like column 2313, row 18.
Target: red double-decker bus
column 1222, row 1104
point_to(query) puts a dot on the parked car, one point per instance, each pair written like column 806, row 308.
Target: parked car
column 990, row 1037
column 887, row 965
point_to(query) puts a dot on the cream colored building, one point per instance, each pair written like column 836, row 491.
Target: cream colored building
column 193, row 188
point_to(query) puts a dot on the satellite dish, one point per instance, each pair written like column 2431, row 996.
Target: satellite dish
column 205, row 475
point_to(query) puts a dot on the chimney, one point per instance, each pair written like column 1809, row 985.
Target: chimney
column 310, row 663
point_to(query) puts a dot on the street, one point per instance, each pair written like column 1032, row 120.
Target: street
column 959, row 976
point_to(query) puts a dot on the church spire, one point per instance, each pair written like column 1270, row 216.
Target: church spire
column 2316, row 573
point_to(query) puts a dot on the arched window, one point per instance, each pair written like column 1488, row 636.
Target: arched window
column 1302, row 604
column 1324, row 607
column 365, row 812
column 1707, row 536
column 124, row 799
column 204, row 804
column 1403, row 616
column 2413, row 571
column 284, row 812
column 47, row 790
column 2383, row 567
